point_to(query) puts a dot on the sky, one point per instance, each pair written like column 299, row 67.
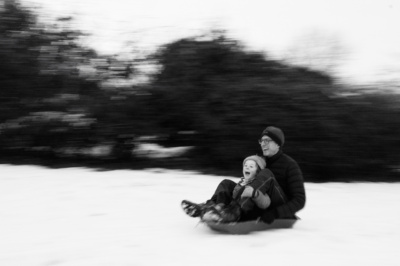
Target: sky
column 84, row 217
column 367, row 30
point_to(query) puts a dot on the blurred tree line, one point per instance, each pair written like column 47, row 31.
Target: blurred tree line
column 208, row 92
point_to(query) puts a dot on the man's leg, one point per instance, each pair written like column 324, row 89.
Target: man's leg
column 245, row 208
column 266, row 183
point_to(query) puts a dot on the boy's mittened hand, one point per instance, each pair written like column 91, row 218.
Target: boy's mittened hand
column 247, row 192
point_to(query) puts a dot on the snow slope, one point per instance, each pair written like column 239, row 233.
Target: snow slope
column 83, row 217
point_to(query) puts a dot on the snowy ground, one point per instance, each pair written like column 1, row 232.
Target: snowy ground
column 83, row 217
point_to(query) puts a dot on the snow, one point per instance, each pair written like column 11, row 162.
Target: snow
column 84, row 217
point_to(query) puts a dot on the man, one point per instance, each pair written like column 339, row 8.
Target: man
column 287, row 173
column 281, row 183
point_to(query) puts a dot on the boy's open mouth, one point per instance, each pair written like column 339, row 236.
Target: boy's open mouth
column 247, row 173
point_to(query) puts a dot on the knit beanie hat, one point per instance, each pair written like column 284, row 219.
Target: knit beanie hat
column 275, row 134
column 259, row 161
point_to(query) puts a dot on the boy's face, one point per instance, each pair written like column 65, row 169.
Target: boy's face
column 249, row 169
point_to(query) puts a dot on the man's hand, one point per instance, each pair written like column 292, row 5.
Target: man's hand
column 269, row 216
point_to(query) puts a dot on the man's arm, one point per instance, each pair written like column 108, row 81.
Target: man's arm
column 295, row 192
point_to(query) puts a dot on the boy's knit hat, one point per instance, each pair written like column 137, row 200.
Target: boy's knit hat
column 259, row 161
column 276, row 134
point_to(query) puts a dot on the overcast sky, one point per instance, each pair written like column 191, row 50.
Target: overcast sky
column 368, row 30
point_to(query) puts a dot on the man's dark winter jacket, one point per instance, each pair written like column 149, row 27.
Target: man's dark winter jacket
column 289, row 176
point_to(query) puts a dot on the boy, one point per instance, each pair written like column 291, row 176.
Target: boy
column 232, row 201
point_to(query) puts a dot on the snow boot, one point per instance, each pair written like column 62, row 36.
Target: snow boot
column 212, row 213
column 195, row 210
column 231, row 213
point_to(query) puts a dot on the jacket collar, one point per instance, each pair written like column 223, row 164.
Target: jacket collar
column 271, row 160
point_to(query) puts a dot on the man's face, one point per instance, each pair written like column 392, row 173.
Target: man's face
column 268, row 146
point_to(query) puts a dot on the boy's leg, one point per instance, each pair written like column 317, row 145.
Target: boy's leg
column 230, row 209
column 223, row 193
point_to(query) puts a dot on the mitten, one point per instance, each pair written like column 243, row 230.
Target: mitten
column 247, row 192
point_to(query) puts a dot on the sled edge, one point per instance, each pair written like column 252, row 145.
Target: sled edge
column 250, row 226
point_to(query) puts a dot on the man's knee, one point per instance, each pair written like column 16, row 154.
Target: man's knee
column 265, row 175
column 264, row 179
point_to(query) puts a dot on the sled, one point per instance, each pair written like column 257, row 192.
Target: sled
column 241, row 228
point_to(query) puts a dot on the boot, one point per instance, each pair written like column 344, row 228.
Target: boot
column 231, row 213
column 212, row 213
column 195, row 210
